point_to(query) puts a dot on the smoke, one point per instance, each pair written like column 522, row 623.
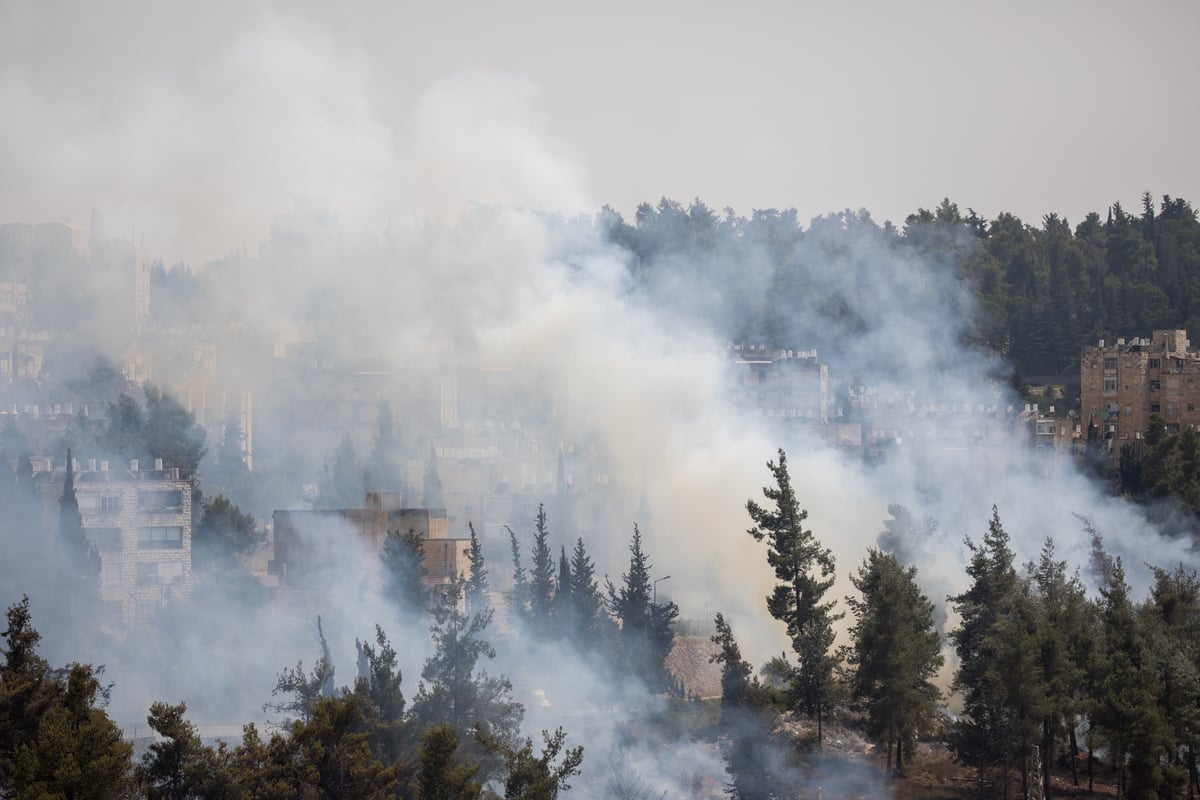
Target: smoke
column 427, row 251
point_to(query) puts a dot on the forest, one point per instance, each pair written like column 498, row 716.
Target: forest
column 1041, row 292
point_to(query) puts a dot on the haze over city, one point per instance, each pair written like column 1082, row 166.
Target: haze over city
column 290, row 282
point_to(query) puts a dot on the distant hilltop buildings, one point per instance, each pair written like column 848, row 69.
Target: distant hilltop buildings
column 1124, row 383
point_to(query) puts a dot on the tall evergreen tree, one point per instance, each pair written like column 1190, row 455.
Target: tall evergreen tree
column 1063, row 640
column 587, row 603
column 476, row 587
column 646, row 627
column 563, row 610
column 805, row 572
column 1126, row 710
column 541, row 577
column 998, row 674
column 403, row 560
column 518, row 599
column 895, row 655
column 453, row 691
column 79, row 558
column 753, row 753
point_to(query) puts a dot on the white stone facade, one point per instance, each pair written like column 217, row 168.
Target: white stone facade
column 141, row 522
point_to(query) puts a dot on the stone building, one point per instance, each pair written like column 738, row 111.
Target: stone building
column 312, row 551
column 141, row 522
column 786, row 384
column 1123, row 384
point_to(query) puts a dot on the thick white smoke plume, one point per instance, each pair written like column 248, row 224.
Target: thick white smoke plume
column 450, row 233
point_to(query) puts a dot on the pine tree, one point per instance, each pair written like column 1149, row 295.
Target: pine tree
column 804, row 571
column 587, row 603
column 736, row 672
column 753, row 755
column 541, row 577
column 403, row 559
column 1063, row 633
column 476, row 587
column 452, row 691
column 518, row 599
column 79, row 557
column 563, row 609
column 646, row 628
column 378, row 687
column 442, row 774
column 78, row 751
column 895, row 655
column 1126, row 712
column 998, row 674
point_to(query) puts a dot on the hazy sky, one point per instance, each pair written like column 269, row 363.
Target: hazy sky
column 162, row 112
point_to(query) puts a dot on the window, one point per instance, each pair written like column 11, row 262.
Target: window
column 1154, row 386
column 105, row 539
column 171, row 572
column 110, row 503
column 110, row 572
column 1191, row 406
column 1110, row 385
column 1154, row 362
column 1172, row 408
column 1154, row 407
column 147, row 573
column 1110, row 365
column 160, row 500
column 160, row 537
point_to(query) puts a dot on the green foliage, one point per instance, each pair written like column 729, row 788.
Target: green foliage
column 55, row 738
column 171, row 432
column 78, row 558
column 533, row 777
column 378, row 689
column 453, row 691
column 164, row 429
column 755, row 758
column 403, row 560
column 541, row 578
column 302, row 690
column 78, row 751
column 443, row 775
column 224, row 531
column 896, row 653
column 327, row 755
column 804, row 571
column 587, row 603
column 646, row 628
column 179, row 767
column 475, row 590
column 736, row 672
column 518, row 599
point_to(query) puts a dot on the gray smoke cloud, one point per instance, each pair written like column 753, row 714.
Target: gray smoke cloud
column 453, row 237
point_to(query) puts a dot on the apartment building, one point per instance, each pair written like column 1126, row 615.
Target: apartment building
column 786, row 384
column 311, row 546
column 141, row 523
column 1123, row 384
